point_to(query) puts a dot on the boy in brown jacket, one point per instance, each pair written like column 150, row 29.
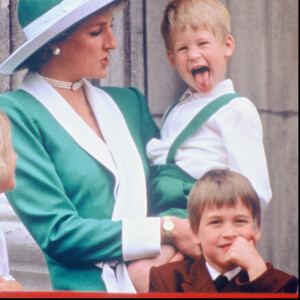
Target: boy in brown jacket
column 224, row 213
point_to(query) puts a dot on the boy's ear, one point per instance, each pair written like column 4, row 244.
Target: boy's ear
column 229, row 45
column 196, row 238
column 171, row 57
column 257, row 235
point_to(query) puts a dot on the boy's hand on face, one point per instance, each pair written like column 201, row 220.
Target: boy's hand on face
column 244, row 254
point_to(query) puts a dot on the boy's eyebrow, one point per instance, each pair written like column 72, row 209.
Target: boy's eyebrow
column 179, row 44
column 243, row 216
column 218, row 215
column 214, row 215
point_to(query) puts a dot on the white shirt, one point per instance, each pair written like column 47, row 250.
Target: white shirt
column 231, row 138
column 214, row 273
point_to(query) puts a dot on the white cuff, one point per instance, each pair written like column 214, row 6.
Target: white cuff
column 140, row 238
column 8, row 278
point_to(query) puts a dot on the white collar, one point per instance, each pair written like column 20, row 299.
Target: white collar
column 224, row 87
column 214, row 273
column 119, row 154
column 64, row 114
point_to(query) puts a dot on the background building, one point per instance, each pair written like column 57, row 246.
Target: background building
column 264, row 68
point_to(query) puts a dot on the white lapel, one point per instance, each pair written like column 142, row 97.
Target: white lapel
column 84, row 136
column 132, row 198
column 119, row 154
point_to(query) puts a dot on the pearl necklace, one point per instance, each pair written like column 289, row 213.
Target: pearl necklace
column 74, row 86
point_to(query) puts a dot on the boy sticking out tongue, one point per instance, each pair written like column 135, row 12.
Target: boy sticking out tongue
column 200, row 56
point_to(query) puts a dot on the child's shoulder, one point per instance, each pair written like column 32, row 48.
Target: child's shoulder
column 288, row 282
column 241, row 100
column 171, row 277
column 180, row 266
column 238, row 107
column 179, row 270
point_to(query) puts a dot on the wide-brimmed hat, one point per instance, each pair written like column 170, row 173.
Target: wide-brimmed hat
column 42, row 20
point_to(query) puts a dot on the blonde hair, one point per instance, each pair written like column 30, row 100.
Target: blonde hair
column 5, row 143
column 219, row 187
column 211, row 14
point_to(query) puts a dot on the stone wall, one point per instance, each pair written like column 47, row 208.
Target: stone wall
column 264, row 68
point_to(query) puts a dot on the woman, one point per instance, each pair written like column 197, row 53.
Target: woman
column 82, row 169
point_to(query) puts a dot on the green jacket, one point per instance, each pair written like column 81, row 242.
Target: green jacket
column 63, row 196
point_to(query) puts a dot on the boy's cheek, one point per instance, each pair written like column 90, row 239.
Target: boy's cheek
column 253, row 238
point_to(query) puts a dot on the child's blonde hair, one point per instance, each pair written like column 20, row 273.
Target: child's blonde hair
column 219, row 187
column 211, row 14
column 5, row 143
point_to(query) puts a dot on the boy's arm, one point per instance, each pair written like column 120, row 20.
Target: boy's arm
column 242, row 133
column 263, row 278
column 271, row 281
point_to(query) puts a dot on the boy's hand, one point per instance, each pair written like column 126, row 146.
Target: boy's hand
column 244, row 254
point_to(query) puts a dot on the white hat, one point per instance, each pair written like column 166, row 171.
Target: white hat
column 42, row 20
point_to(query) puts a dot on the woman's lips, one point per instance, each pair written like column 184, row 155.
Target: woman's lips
column 105, row 62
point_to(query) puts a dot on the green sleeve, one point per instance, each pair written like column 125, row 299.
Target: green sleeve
column 68, row 231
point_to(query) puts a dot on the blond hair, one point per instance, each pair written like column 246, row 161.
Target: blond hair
column 5, row 143
column 211, row 14
column 220, row 187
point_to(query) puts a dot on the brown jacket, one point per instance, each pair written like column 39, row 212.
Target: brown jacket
column 193, row 277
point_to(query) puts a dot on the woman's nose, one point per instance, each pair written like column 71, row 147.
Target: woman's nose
column 110, row 40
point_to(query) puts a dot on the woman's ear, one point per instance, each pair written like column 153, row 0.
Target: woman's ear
column 229, row 45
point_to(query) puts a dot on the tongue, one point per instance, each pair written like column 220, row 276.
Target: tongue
column 202, row 81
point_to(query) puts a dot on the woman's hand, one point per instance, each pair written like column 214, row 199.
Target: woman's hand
column 183, row 238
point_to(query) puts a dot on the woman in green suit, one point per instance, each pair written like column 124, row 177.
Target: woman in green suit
column 81, row 174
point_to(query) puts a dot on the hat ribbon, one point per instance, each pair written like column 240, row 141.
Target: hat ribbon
column 50, row 17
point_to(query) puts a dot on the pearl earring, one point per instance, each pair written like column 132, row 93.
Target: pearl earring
column 56, row 51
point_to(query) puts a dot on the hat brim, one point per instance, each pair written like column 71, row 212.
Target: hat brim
column 61, row 24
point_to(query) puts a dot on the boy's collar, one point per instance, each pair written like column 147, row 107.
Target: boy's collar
column 214, row 273
column 224, row 87
column 186, row 96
